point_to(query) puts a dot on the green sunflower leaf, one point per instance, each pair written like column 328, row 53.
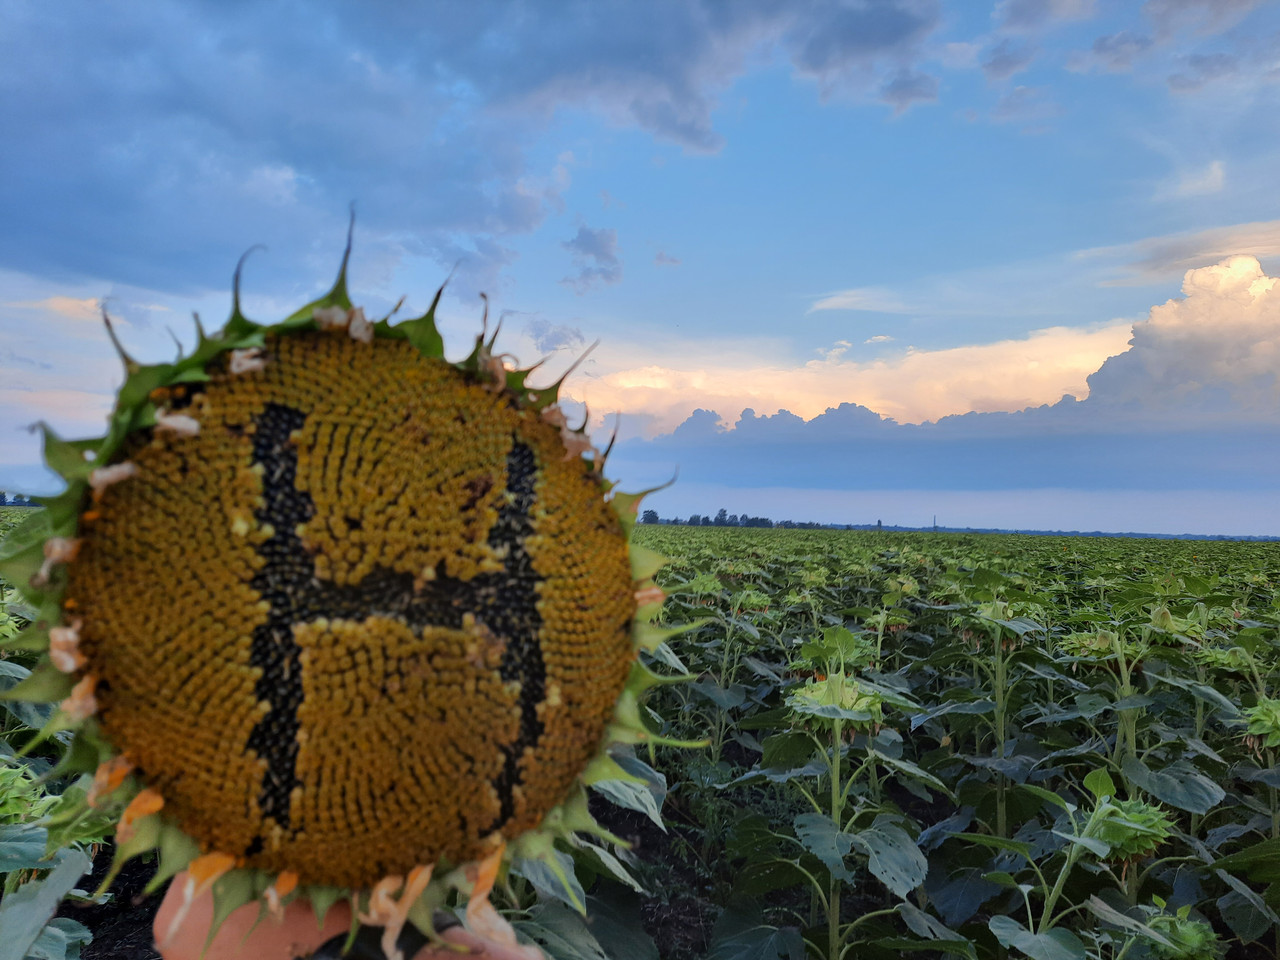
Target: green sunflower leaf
column 25, row 912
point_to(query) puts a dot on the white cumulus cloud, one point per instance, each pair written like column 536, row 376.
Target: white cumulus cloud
column 874, row 299
column 1208, row 180
column 1214, row 354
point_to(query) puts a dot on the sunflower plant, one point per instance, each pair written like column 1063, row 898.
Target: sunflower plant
column 329, row 616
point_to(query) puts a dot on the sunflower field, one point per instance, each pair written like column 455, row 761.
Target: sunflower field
column 977, row 746
column 972, row 745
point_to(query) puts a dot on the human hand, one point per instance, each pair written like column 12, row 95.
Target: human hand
column 296, row 934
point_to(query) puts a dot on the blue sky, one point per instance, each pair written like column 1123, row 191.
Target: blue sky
column 944, row 216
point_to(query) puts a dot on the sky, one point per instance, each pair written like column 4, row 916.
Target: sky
column 1010, row 264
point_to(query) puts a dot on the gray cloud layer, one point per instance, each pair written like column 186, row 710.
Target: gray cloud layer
column 151, row 144
column 1194, row 403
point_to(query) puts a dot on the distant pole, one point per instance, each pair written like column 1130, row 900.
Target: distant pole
column 935, row 523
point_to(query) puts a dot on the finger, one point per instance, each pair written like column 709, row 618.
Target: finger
column 296, row 935
column 461, row 937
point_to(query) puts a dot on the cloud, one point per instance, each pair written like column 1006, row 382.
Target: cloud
column 1204, row 17
column 1005, row 59
column 475, row 267
column 839, row 46
column 874, row 299
column 1209, row 180
column 835, row 351
column 273, row 184
column 595, row 253
column 84, row 309
column 197, row 113
column 549, row 337
column 1201, row 69
column 9, row 357
column 1026, row 105
column 878, row 338
column 1113, row 53
column 665, row 260
column 959, row 55
column 1158, row 259
column 1028, row 15
column 1193, row 404
column 906, row 87
column 1213, row 355
column 913, row 385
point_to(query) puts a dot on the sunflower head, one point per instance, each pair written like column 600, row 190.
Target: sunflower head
column 331, row 615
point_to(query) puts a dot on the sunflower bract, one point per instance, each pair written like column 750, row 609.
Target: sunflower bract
column 369, row 615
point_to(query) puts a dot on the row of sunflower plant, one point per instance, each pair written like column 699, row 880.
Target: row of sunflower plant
column 978, row 745
column 32, row 885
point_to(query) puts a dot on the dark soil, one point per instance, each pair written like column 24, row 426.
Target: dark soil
column 121, row 927
column 678, row 915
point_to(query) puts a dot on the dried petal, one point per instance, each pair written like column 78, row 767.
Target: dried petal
column 177, row 424
column 555, row 416
column 104, row 477
column 81, row 703
column 649, row 595
column 330, row 318
column 360, row 328
column 61, row 549
column 576, row 444
column 64, row 647
column 286, row 883
column 109, row 775
column 248, row 360
column 202, row 872
column 382, row 901
column 419, row 877
column 144, row 804
column 482, row 919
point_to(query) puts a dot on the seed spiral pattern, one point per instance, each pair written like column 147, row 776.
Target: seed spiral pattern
column 369, row 616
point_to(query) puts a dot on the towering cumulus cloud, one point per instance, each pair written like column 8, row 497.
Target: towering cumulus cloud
column 1215, row 352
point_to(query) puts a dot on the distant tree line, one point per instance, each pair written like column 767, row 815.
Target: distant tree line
column 723, row 518
column 15, row 500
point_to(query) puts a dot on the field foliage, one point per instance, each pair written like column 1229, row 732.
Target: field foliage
column 960, row 745
column 983, row 746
